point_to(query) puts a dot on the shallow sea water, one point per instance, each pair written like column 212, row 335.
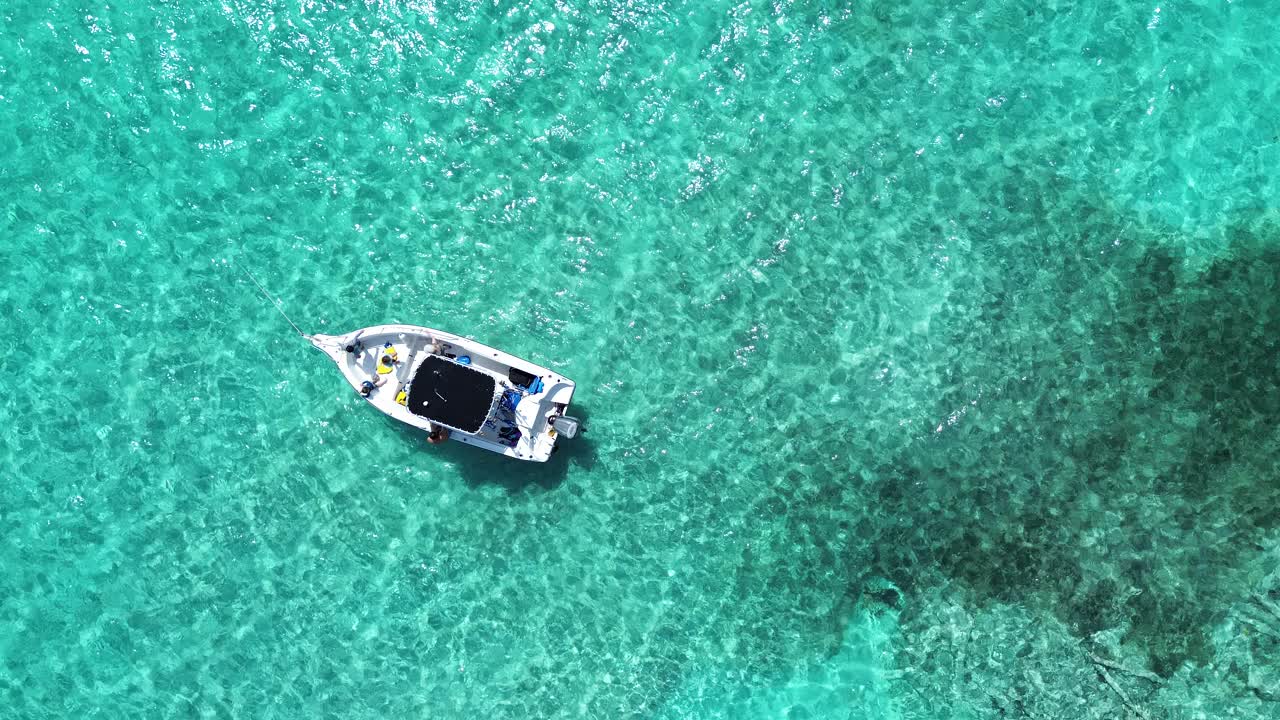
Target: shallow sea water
column 925, row 350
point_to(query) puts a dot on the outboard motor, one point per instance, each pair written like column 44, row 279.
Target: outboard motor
column 566, row 425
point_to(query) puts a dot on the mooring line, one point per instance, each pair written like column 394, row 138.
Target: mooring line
column 274, row 303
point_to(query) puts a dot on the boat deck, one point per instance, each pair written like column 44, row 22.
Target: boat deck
column 491, row 427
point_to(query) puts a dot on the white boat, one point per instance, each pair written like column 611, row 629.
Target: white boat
column 432, row 379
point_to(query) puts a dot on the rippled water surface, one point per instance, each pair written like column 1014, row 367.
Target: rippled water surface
column 929, row 355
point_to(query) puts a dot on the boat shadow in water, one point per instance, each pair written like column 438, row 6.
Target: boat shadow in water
column 484, row 468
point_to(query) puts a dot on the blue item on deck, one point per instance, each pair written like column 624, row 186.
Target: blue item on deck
column 510, row 399
column 464, row 359
column 536, row 386
column 509, row 436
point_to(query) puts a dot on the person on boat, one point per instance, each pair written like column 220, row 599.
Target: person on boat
column 374, row 382
column 438, row 434
column 388, row 360
column 356, row 346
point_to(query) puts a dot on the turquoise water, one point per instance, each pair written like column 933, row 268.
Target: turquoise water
column 924, row 349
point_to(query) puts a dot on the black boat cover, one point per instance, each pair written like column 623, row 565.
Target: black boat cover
column 448, row 393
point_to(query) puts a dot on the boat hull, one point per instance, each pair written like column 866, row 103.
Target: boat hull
column 523, row 433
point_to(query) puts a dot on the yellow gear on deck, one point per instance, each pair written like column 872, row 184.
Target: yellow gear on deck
column 402, row 397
